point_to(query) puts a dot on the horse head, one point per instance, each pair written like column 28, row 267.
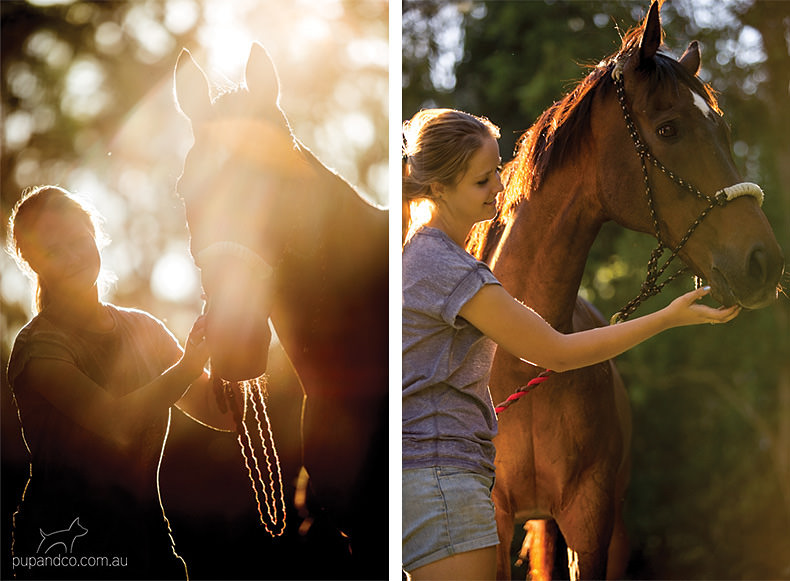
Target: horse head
column 237, row 178
column 698, row 205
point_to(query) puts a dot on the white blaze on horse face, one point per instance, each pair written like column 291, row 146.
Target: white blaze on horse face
column 701, row 104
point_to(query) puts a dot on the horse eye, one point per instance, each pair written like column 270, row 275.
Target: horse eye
column 667, row 131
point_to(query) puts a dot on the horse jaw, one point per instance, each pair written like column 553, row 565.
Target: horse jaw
column 238, row 342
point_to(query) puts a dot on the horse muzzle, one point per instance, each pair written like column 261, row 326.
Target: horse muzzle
column 238, row 346
column 753, row 284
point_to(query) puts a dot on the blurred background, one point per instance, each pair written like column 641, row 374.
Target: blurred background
column 710, row 490
column 87, row 103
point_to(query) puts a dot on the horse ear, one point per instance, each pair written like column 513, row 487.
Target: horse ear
column 651, row 33
column 261, row 76
column 191, row 87
column 691, row 58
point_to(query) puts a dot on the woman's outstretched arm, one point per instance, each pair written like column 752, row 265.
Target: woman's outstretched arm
column 523, row 333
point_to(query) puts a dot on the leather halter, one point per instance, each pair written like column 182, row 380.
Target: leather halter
column 651, row 286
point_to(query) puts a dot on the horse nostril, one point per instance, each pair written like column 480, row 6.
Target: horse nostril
column 758, row 265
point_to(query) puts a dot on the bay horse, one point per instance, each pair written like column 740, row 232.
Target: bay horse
column 640, row 141
column 279, row 236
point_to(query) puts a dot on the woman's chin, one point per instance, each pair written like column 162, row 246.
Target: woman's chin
column 490, row 213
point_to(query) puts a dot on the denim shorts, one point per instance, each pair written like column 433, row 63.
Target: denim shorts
column 446, row 510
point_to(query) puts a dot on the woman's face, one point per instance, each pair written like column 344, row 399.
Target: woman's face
column 473, row 198
column 63, row 252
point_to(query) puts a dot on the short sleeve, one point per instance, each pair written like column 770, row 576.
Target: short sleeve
column 464, row 291
column 151, row 336
column 39, row 345
column 439, row 277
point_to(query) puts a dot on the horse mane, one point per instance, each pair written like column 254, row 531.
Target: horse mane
column 562, row 130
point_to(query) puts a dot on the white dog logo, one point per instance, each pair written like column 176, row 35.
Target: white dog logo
column 66, row 537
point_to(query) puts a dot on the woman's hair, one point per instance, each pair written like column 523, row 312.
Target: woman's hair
column 24, row 215
column 437, row 147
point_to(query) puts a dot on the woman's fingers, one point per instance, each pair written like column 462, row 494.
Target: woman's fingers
column 691, row 297
column 721, row 315
column 700, row 292
column 703, row 313
column 198, row 332
column 729, row 313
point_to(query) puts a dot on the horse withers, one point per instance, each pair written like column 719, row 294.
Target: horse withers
column 278, row 236
column 640, row 141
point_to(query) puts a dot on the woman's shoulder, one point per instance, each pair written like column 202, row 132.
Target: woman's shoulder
column 133, row 314
column 39, row 338
column 39, row 326
column 434, row 246
column 138, row 320
column 430, row 252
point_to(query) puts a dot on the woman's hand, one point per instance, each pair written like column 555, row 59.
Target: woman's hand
column 685, row 310
column 196, row 351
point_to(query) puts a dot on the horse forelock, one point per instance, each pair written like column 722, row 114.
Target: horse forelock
column 666, row 75
column 229, row 101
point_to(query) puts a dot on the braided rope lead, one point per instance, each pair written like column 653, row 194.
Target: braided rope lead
column 253, row 392
column 522, row 391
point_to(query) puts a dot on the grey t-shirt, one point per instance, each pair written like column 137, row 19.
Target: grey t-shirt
column 137, row 350
column 448, row 415
column 75, row 472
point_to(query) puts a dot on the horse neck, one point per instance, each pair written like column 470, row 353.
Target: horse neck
column 542, row 252
column 331, row 312
column 334, row 226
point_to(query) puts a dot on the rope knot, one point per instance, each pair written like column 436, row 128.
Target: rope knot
column 721, row 198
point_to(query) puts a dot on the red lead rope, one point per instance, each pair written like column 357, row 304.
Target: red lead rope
column 522, row 391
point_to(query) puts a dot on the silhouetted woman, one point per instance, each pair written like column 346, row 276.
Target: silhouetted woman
column 93, row 384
